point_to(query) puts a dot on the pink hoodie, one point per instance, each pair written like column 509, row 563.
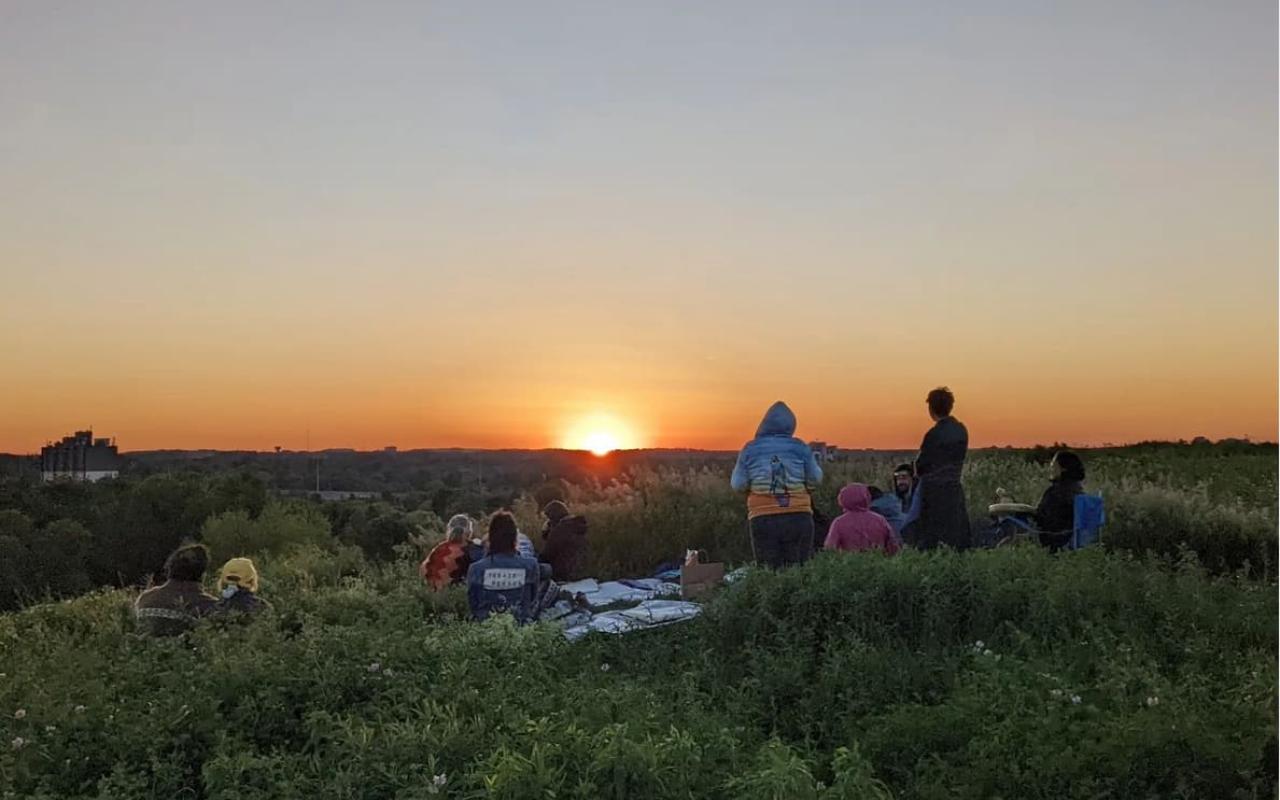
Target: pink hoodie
column 859, row 528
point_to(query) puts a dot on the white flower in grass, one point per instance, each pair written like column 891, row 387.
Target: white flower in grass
column 1055, row 693
column 80, row 709
column 1153, row 701
column 1075, row 700
column 375, row 666
column 50, row 728
column 18, row 743
column 986, row 652
column 389, row 672
column 20, row 713
column 437, row 783
column 604, row 667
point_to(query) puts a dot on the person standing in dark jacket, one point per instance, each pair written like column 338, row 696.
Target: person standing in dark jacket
column 1056, row 514
column 944, row 514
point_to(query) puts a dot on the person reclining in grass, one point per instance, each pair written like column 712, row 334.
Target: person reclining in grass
column 238, row 587
column 502, row 580
column 447, row 563
column 175, row 606
column 859, row 528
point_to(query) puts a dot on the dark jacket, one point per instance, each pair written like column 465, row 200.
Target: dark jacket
column 564, row 544
column 943, row 451
column 944, row 513
column 172, row 608
column 240, row 601
column 1057, row 510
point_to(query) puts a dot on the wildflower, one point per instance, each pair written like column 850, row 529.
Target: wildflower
column 20, row 713
column 604, row 667
column 389, row 672
column 986, row 652
column 437, row 783
column 50, row 728
column 18, row 743
column 1075, row 699
column 1055, row 693
column 1153, row 701
column 979, row 645
column 80, row 709
column 375, row 666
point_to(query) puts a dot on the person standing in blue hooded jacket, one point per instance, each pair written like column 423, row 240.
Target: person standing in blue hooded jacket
column 778, row 472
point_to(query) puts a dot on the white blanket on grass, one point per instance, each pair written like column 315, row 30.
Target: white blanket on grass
column 649, row 614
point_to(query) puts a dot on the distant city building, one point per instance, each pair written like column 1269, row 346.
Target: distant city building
column 824, row 452
column 80, row 457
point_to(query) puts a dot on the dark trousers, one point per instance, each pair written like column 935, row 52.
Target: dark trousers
column 780, row 540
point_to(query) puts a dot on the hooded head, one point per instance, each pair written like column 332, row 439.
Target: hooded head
column 555, row 511
column 241, row 572
column 855, row 497
column 779, row 420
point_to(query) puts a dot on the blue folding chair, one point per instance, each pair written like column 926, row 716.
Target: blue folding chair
column 1090, row 516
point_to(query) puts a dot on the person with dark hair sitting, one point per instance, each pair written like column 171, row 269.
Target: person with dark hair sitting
column 175, row 606
column 564, row 541
column 944, row 514
column 888, row 506
column 502, row 580
column 904, row 480
column 1055, row 516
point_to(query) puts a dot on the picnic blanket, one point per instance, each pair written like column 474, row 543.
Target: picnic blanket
column 618, row 606
column 648, row 614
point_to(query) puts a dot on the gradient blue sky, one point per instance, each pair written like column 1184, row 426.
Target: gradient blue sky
column 481, row 223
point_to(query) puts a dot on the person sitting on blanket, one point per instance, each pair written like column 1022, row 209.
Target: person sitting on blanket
column 860, row 528
column 564, row 538
column 502, row 580
column 448, row 561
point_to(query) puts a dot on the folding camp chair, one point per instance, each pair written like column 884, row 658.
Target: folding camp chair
column 1090, row 516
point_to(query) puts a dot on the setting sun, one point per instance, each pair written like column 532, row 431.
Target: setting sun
column 600, row 443
column 600, row 434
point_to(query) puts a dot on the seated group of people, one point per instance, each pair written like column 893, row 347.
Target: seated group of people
column 506, row 571
column 175, row 606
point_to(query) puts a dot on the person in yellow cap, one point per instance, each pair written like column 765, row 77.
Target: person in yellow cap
column 238, row 588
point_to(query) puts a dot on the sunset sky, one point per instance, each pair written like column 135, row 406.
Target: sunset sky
column 246, row 224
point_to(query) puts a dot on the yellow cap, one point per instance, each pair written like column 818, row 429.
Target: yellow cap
column 241, row 572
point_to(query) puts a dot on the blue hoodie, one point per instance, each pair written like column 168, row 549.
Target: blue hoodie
column 776, row 469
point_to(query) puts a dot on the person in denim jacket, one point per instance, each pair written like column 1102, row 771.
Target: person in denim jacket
column 503, row 581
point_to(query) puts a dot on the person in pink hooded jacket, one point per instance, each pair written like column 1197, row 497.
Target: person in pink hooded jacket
column 860, row 528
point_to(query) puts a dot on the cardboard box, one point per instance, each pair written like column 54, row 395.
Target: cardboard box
column 698, row 579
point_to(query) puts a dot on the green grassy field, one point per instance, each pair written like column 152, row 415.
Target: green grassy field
column 1007, row 673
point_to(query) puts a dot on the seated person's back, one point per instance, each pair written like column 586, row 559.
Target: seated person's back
column 448, row 561
column 502, row 580
column 175, row 606
column 888, row 506
column 859, row 528
column 238, row 587
column 564, row 541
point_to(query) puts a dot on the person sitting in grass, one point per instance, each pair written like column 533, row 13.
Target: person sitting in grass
column 238, row 587
column 564, row 540
column 888, row 506
column 447, row 563
column 859, row 528
column 175, row 606
column 1055, row 516
column 503, row 580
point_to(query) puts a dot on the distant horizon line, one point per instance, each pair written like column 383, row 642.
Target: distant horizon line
column 460, row 449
